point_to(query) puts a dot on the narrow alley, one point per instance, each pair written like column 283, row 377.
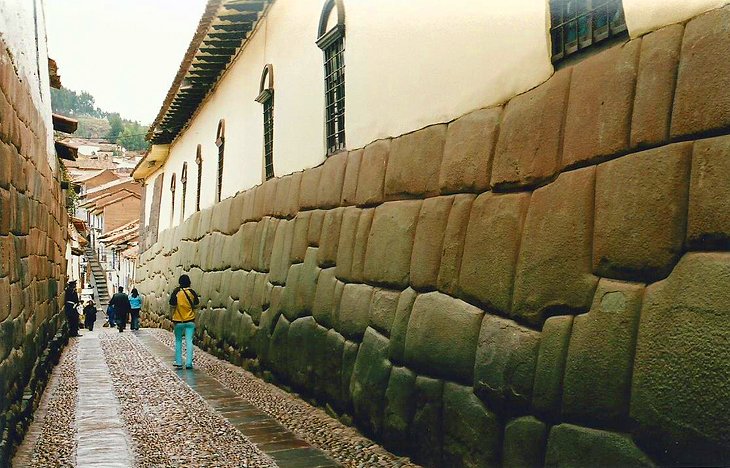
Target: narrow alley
column 115, row 400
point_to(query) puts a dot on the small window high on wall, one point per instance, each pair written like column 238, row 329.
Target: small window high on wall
column 199, row 162
column 172, row 204
column 266, row 97
column 220, row 142
column 579, row 24
column 184, row 182
column 332, row 42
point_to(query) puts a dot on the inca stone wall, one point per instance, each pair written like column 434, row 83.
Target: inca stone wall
column 544, row 282
column 32, row 263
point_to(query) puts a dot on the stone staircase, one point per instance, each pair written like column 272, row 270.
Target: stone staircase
column 97, row 272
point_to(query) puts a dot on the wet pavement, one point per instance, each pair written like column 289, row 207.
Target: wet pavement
column 115, row 400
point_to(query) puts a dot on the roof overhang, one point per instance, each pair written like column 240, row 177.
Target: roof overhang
column 150, row 162
column 66, row 151
column 64, row 124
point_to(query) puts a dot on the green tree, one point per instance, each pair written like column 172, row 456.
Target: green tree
column 132, row 137
column 116, row 126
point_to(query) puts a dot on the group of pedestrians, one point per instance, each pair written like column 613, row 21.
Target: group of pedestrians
column 121, row 307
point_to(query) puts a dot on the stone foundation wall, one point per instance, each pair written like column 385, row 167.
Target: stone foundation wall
column 32, row 263
column 544, row 282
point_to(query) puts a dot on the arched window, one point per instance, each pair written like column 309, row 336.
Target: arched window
column 172, row 206
column 220, row 141
column 184, row 182
column 578, row 24
column 332, row 42
column 199, row 162
column 266, row 97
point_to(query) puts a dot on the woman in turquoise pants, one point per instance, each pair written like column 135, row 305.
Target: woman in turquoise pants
column 185, row 300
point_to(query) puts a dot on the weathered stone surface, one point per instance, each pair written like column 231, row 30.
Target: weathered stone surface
column 349, row 355
column 415, row 162
column 330, row 237
column 346, row 244
column 352, row 173
column 426, row 256
column 528, row 151
column 301, row 287
column 708, row 219
column 278, row 348
column 491, row 247
column 360, row 247
column 354, row 310
column 554, row 267
column 426, row 435
column 640, row 219
column 453, row 244
column 467, row 159
column 399, row 408
column 281, row 200
column 442, row 337
column 570, row 445
column 597, row 380
column 332, row 178
column 472, row 433
column 331, row 369
column 281, row 252
column 598, row 120
column 524, row 442
column 300, row 352
column 309, row 188
column 371, row 176
column 548, row 386
column 299, row 240
column 701, row 100
column 316, row 226
column 383, row 309
column 679, row 395
column 504, row 366
column 390, row 243
column 400, row 325
column 655, row 83
column 370, row 380
column 325, row 301
column 294, row 186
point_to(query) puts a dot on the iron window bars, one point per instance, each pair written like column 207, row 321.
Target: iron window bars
column 172, row 208
column 199, row 162
column 577, row 24
column 221, row 143
column 184, row 182
column 266, row 97
column 333, row 46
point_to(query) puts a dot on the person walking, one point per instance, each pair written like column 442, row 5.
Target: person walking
column 71, row 302
column 135, row 301
column 184, row 299
column 111, row 320
column 120, row 301
column 89, row 315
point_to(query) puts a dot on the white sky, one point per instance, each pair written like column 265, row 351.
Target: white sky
column 124, row 52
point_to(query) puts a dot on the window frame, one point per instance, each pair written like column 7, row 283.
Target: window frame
column 332, row 44
column 266, row 98
column 199, row 162
column 184, row 182
column 173, row 186
column 220, row 142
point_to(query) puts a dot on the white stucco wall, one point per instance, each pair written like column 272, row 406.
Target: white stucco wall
column 20, row 22
column 408, row 65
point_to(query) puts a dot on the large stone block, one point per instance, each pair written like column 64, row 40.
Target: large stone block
column 325, row 300
column 640, row 218
column 316, row 226
column 708, row 219
column 299, row 239
column 346, row 244
column 352, row 173
column 370, row 380
column 330, row 237
column 504, row 366
column 309, row 188
column 281, row 198
column 524, row 443
column 300, row 352
column 528, row 151
column 655, row 83
column 354, row 310
column 294, row 187
column 329, row 373
column 281, row 252
column 372, row 173
column 399, row 408
column 472, row 433
column 390, row 243
column 383, row 309
column 468, row 152
column 426, row 256
column 550, row 367
column 680, row 394
column 278, row 348
column 597, row 380
column 570, row 445
column 399, row 329
column 442, row 337
column 332, row 178
column 426, row 434
column 349, row 356
column 598, row 120
column 415, row 162
column 554, row 268
column 453, row 244
column 491, row 247
column 702, row 100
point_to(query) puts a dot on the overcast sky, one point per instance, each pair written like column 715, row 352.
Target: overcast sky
column 125, row 53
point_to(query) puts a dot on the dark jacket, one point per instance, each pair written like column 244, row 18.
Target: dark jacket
column 120, row 301
column 90, row 312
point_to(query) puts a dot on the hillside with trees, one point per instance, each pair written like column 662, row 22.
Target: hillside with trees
column 96, row 124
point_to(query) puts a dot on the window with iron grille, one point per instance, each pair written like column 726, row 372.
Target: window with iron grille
column 579, row 24
column 266, row 97
column 332, row 43
column 199, row 162
column 220, row 141
column 184, row 182
column 172, row 208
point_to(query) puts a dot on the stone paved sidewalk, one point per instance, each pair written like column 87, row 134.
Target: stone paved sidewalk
column 116, row 400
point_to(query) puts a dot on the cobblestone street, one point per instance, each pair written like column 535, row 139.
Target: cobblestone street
column 115, row 400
